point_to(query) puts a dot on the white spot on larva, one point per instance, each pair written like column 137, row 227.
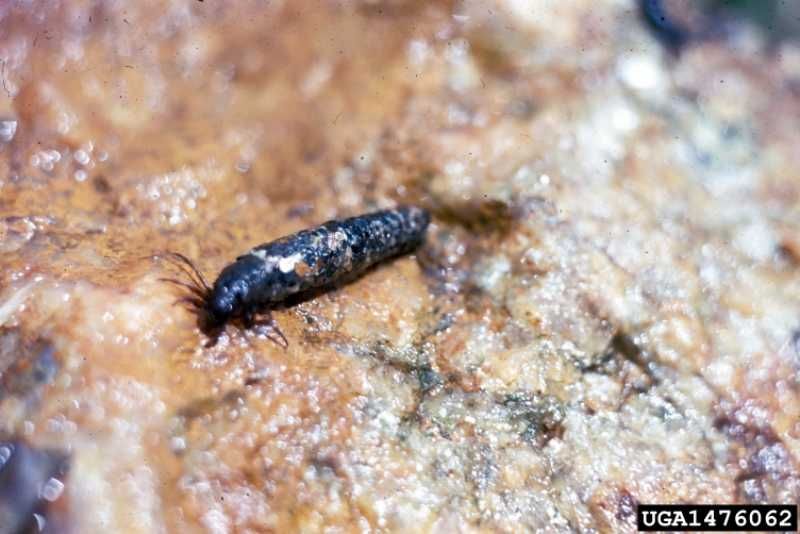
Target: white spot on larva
column 270, row 262
column 259, row 253
column 336, row 238
column 287, row 264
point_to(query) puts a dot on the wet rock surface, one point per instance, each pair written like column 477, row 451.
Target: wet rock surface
column 605, row 312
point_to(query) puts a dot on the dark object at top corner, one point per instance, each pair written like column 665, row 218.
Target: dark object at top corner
column 671, row 34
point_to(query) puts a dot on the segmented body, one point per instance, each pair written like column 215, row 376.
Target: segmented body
column 269, row 273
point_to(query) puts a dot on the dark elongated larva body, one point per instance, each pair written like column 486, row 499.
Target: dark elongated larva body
column 270, row 273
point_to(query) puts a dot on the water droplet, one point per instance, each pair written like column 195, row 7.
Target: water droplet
column 5, row 454
column 7, row 130
column 177, row 444
column 52, row 489
column 81, row 156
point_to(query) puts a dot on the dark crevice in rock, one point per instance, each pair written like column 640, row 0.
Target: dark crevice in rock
column 766, row 467
column 26, row 366
column 31, row 488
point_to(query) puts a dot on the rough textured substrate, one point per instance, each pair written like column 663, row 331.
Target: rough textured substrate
column 603, row 313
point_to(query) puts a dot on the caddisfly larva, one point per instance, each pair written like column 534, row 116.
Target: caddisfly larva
column 270, row 273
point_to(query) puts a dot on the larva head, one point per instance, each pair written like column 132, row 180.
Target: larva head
column 220, row 306
column 229, row 296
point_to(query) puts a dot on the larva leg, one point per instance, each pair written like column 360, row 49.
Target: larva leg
column 266, row 324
